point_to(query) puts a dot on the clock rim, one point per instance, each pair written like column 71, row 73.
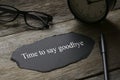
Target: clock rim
column 88, row 22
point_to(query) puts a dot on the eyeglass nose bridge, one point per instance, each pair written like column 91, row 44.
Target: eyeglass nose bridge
column 23, row 12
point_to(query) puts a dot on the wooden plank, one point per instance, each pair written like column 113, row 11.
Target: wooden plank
column 57, row 8
column 90, row 66
column 117, row 5
column 115, row 75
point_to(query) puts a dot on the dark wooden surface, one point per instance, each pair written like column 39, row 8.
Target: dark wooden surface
column 14, row 35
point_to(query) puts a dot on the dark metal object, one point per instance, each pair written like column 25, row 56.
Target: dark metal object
column 104, row 57
column 9, row 14
column 109, row 6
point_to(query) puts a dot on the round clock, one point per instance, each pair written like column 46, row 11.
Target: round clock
column 90, row 11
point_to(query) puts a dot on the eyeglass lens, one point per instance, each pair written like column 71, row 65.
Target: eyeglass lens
column 7, row 13
column 32, row 18
column 36, row 19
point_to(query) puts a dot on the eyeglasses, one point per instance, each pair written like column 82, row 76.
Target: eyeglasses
column 34, row 19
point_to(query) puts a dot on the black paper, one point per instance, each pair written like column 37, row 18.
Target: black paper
column 53, row 52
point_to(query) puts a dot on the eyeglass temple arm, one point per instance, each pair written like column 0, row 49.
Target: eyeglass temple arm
column 6, row 10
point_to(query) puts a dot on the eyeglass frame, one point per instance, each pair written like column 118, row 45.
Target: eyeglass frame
column 24, row 13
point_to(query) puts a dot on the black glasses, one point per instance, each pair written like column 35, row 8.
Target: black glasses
column 34, row 19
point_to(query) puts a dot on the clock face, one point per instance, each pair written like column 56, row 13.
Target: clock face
column 89, row 11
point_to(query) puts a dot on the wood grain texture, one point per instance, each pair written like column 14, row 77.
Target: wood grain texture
column 63, row 23
column 115, row 75
column 57, row 8
column 89, row 66
column 117, row 5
